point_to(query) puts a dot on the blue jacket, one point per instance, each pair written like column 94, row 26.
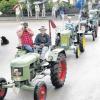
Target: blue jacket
column 43, row 40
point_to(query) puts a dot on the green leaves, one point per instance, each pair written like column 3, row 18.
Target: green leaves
column 31, row 1
column 6, row 6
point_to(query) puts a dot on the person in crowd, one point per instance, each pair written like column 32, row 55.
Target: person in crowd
column 62, row 13
column 18, row 11
column 37, row 11
column 43, row 11
column 29, row 9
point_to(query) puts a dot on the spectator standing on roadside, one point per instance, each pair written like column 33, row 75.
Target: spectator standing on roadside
column 37, row 11
column 29, row 9
column 17, row 8
column 53, row 11
column 62, row 13
column 43, row 10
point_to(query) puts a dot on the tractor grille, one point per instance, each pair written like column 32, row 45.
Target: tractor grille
column 16, row 71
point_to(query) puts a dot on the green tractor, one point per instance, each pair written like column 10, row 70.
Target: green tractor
column 95, row 14
column 90, row 26
column 25, row 68
column 91, row 23
column 71, row 39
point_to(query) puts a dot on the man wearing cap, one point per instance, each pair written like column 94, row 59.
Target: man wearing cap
column 25, row 35
column 43, row 41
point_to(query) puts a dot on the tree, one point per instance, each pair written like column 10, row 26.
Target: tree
column 6, row 7
column 31, row 1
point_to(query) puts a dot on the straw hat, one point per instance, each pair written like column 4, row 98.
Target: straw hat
column 42, row 28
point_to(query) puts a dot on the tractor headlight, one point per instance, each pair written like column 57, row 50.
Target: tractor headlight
column 17, row 71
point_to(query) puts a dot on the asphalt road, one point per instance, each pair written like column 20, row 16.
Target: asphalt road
column 83, row 74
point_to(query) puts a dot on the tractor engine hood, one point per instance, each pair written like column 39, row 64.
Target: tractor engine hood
column 63, row 30
column 25, row 60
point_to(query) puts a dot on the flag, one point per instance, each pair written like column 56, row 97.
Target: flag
column 52, row 23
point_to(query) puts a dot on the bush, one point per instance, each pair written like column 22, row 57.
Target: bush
column 6, row 7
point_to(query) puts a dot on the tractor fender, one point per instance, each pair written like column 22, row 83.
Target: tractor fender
column 53, row 54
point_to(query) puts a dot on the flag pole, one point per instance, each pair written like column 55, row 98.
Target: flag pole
column 80, row 15
column 49, row 29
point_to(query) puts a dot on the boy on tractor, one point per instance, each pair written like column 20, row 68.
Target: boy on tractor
column 25, row 35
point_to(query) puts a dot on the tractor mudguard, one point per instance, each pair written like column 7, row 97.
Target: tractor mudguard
column 53, row 54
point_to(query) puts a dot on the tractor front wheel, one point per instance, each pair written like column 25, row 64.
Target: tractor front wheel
column 82, row 43
column 3, row 91
column 77, row 52
column 40, row 91
column 93, row 35
column 58, row 71
column 96, row 32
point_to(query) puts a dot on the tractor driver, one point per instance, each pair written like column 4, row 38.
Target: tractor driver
column 43, row 41
column 25, row 35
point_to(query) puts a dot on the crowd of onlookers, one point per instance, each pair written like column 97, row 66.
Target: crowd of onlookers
column 41, row 11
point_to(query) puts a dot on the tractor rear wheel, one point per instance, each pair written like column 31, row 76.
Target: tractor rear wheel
column 40, row 91
column 58, row 71
column 3, row 91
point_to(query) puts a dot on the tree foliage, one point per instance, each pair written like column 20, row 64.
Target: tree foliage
column 7, row 6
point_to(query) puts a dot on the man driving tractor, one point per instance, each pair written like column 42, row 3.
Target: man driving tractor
column 43, row 41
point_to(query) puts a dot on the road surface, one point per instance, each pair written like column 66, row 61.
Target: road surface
column 83, row 74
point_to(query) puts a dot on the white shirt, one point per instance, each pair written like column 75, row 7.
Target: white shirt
column 17, row 9
column 37, row 8
column 28, row 5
